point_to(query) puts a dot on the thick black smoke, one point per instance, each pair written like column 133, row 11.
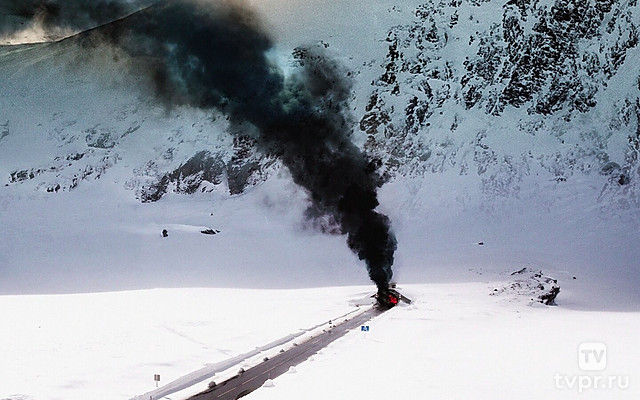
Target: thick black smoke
column 215, row 55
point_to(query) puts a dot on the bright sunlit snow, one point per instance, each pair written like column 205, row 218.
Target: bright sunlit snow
column 454, row 341
column 110, row 345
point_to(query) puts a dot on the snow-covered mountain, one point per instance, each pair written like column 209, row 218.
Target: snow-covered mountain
column 506, row 90
column 512, row 123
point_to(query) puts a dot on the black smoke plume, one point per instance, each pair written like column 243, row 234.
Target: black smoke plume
column 214, row 54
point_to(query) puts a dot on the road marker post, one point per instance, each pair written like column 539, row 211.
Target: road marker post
column 364, row 329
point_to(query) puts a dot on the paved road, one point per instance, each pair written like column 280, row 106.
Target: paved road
column 253, row 378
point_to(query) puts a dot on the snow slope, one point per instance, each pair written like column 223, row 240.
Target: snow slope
column 454, row 341
column 110, row 345
column 98, row 239
column 82, row 144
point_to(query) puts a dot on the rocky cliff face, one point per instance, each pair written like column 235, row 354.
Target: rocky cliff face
column 502, row 89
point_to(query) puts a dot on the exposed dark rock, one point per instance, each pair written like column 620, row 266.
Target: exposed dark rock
column 4, row 130
column 623, row 180
column 94, row 168
column 203, row 166
column 25, row 174
column 188, row 177
column 100, row 138
column 532, row 284
column 246, row 166
column 610, row 168
column 548, row 60
column 549, row 297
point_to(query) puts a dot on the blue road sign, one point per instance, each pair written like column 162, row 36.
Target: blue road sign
column 364, row 328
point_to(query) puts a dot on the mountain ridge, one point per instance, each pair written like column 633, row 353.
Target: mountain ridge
column 438, row 78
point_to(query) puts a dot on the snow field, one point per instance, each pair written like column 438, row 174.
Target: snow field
column 455, row 341
column 110, row 345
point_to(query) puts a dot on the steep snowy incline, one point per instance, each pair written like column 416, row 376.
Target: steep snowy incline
column 518, row 94
column 505, row 92
column 491, row 124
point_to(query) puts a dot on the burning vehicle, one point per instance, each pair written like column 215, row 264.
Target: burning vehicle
column 390, row 297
